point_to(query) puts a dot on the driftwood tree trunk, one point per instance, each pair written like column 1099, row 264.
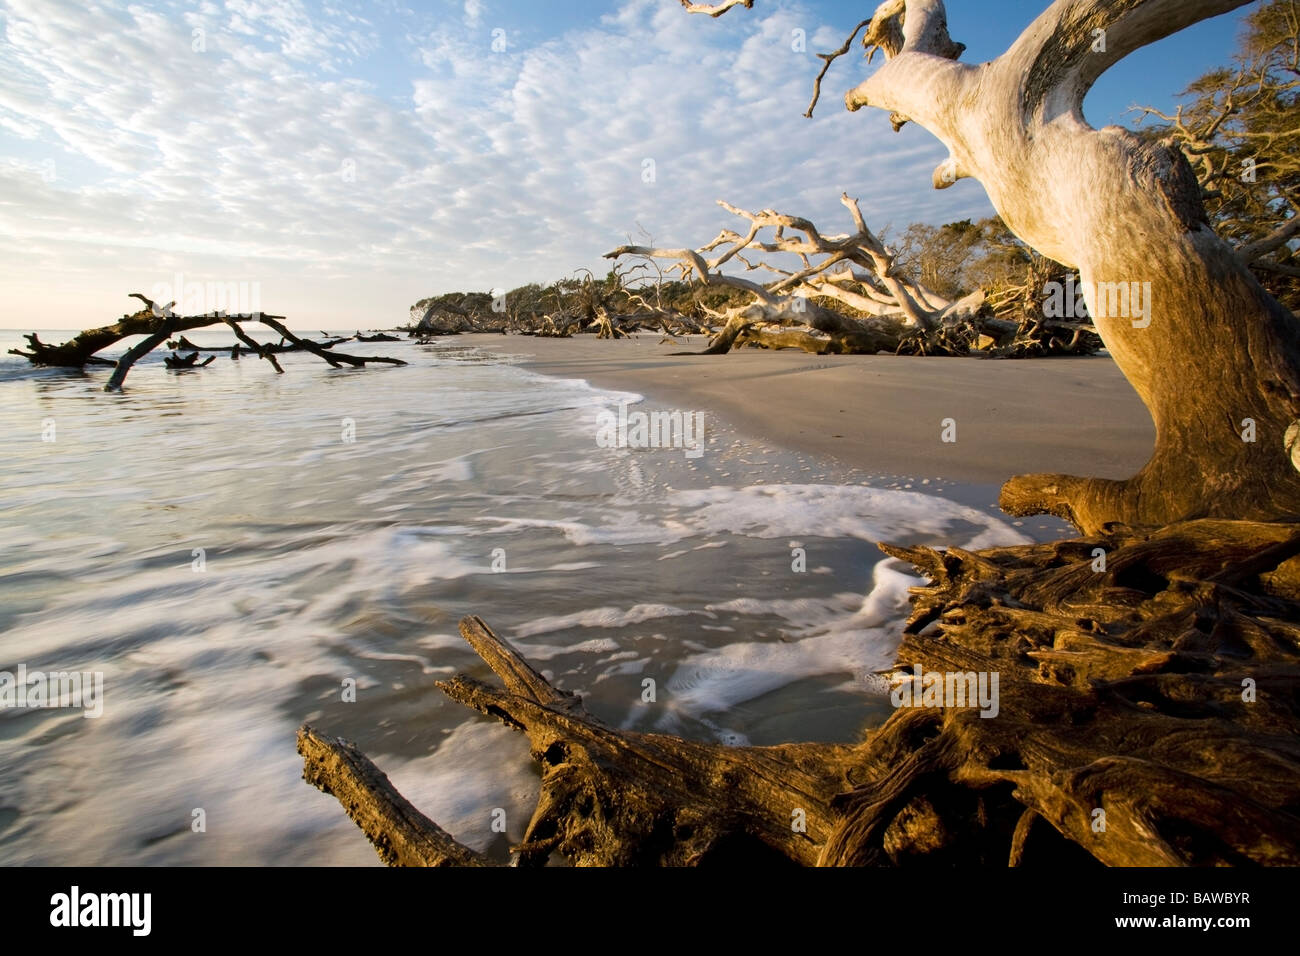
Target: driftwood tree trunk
column 79, row 351
column 158, row 324
column 1214, row 357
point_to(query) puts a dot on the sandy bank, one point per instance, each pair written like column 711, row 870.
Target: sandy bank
column 883, row 414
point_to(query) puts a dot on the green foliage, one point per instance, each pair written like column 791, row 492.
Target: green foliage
column 579, row 296
column 959, row 257
column 938, row 257
column 1240, row 129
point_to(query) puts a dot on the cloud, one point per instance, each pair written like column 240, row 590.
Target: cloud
column 349, row 160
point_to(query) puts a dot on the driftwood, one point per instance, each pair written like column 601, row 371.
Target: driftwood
column 556, row 326
column 175, row 361
column 329, row 342
column 1147, row 714
column 79, row 351
column 158, row 324
column 422, row 335
column 607, row 326
column 134, row 354
column 849, row 297
column 1214, row 357
column 895, row 313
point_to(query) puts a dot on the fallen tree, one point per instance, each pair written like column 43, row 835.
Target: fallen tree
column 158, row 324
column 326, row 341
column 1019, row 285
column 898, row 315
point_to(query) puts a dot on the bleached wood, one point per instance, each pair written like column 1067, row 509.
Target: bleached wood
column 1218, row 353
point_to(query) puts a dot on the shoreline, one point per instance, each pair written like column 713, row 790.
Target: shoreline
column 882, row 414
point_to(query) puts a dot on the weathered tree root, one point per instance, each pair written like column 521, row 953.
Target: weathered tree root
column 1165, row 491
column 1161, row 691
column 609, row 797
column 402, row 835
column 1147, row 714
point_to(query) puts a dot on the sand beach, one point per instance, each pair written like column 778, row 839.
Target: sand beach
column 881, row 413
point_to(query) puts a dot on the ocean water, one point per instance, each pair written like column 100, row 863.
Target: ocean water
column 234, row 549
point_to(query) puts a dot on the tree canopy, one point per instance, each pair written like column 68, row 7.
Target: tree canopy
column 1239, row 126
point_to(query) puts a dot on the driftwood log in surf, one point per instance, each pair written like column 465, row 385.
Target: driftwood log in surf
column 1049, row 713
column 158, row 324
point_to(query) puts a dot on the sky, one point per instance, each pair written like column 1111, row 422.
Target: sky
column 336, row 161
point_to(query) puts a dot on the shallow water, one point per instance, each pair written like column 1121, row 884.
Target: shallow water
column 230, row 547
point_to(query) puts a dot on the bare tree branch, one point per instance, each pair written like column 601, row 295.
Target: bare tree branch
column 827, row 59
column 716, row 10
